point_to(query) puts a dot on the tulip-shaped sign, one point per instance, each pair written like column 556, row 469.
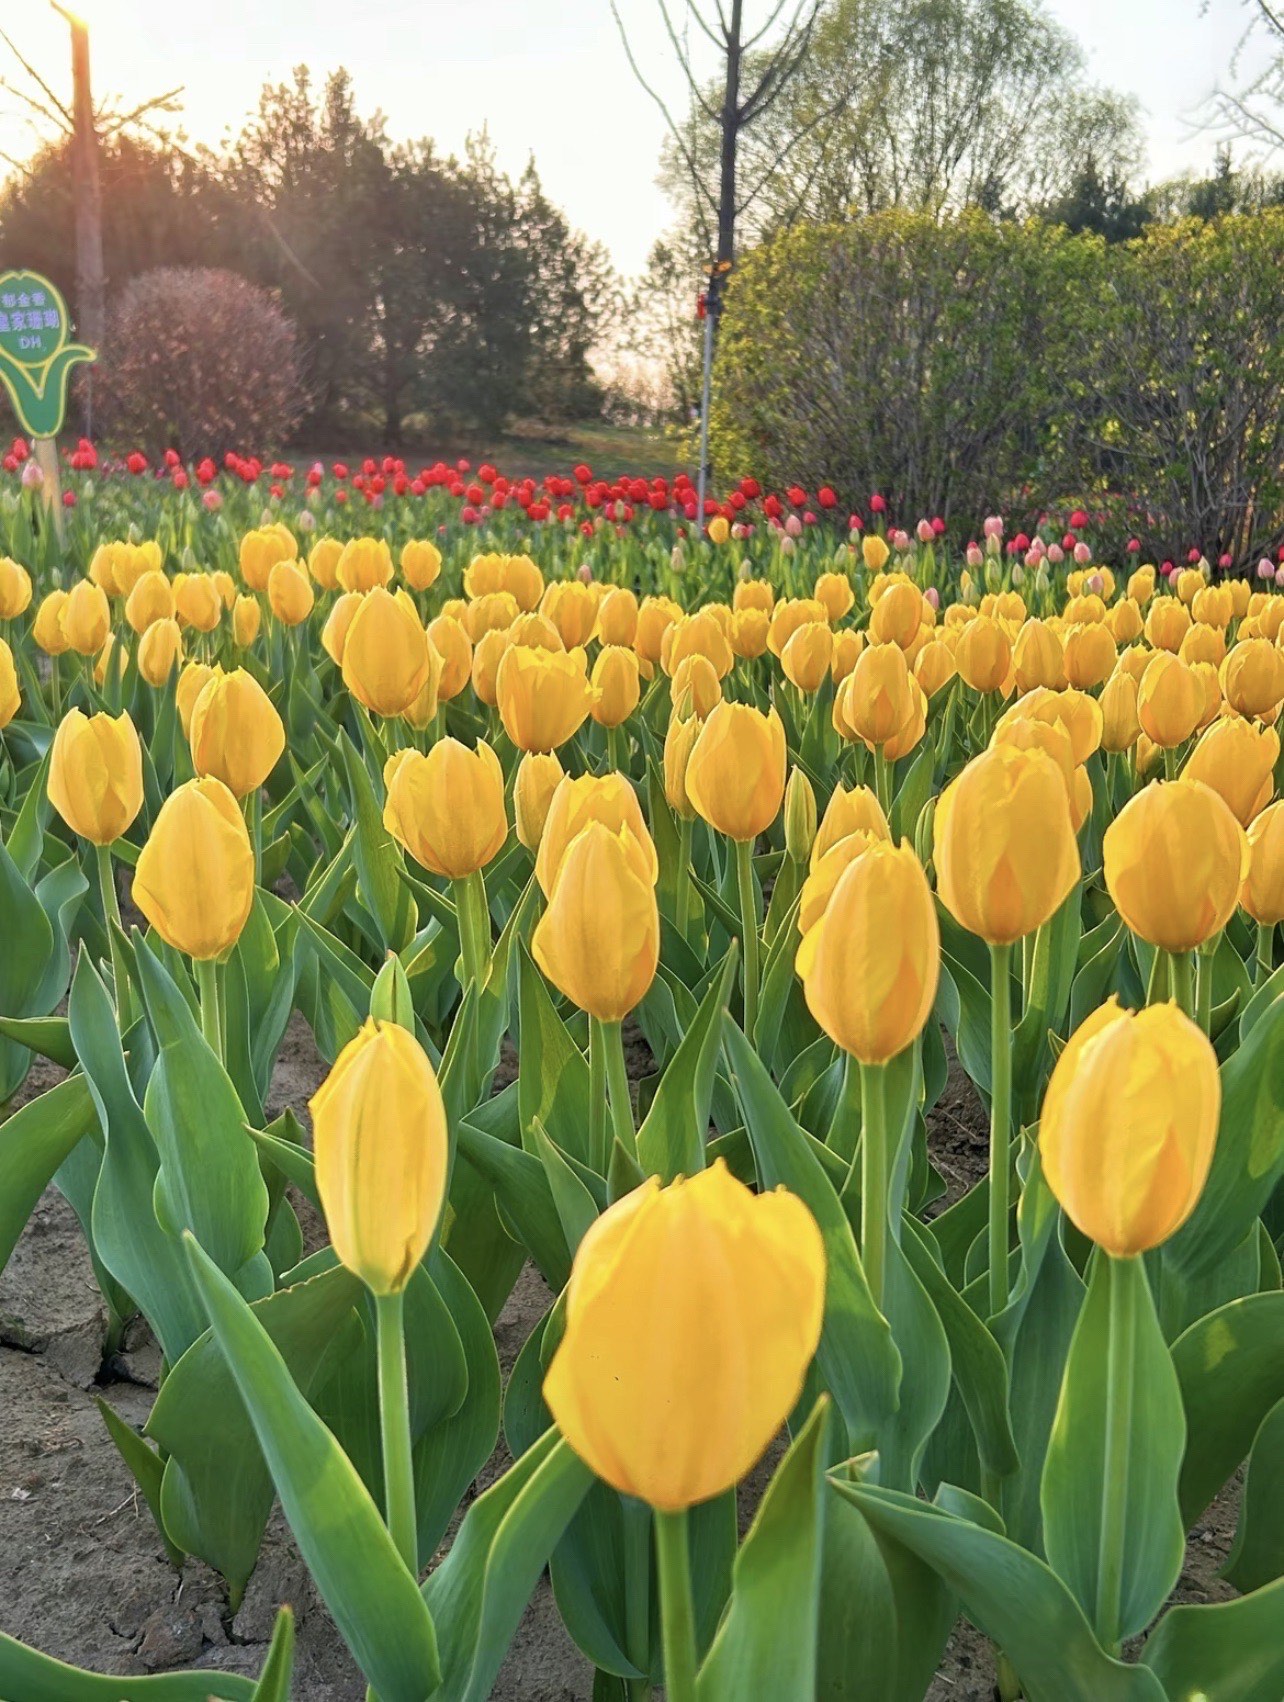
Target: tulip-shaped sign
column 36, row 356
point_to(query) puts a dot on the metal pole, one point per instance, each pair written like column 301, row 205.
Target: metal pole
column 706, row 388
column 87, row 194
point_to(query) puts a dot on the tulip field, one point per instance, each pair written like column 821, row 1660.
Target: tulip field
column 644, row 878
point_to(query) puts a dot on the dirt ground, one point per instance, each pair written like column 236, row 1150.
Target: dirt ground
column 85, row 1575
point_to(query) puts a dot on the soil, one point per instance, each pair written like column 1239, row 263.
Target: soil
column 86, row 1577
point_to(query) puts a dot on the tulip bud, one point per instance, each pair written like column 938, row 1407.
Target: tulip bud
column 598, row 940
column 151, row 599
column 871, row 963
column 247, row 617
column 1262, row 894
column 736, row 775
column 15, row 587
column 364, row 565
column 692, row 1314
column 800, row 816
column 1129, row 1125
column 1237, row 759
column 420, row 564
column 544, row 696
column 538, row 778
column 195, row 877
column 1175, row 859
column 1252, row 677
column 447, row 808
column 10, row 695
column 616, row 685
column 1004, row 846
column 86, row 618
column 1170, row 700
column 289, row 593
column 323, row 562
column 235, row 732
column 96, row 775
column 160, row 650
column 385, row 653
column 46, row 629
column 197, row 602
column 875, row 702
column 1119, row 723
column 382, row 1154
column 679, row 742
column 608, row 799
column 983, row 655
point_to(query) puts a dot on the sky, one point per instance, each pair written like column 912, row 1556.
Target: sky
column 551, row 80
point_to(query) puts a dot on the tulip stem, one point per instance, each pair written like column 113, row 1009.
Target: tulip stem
column 686, row 828
column 748, row 931
column 597, row 1095
column 1124, row 1277
column 1000, row 1121
column 637, row 1593
column 111, row 914
column 474, row 928
column 677, row 1614
column 618, row 1077
column 211, row 1022
column 874, row 1177
column 1204, row 983
column 1181, row 981
column 883, row 781
column 394, row 1424
column 1265, row 953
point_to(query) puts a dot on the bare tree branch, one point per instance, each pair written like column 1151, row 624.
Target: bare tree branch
column 36, row 78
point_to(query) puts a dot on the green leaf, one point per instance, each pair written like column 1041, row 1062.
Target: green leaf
column 479, row 1592
column 553, row 1084
column 577, row 1210
column 33, row 1144
column 523, row 1194
column 146, row 1467
column 1075, row 1484
column 278, row 1669
column 1011, row 1597
column 1222, row 1651
column 1230, row 1366
column 766, row 1644
column 362, row 1579
column 48, row 1035
column 1257, row 1556
column 379, row 876
column 28, row 1676
column 671, row 1141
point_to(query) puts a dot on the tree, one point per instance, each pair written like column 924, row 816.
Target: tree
column 1102, row 203
column 573, row 292
column 1251, row 107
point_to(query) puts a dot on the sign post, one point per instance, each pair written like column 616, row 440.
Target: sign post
column 36, row 359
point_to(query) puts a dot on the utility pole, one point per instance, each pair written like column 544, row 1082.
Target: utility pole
column 90, row 287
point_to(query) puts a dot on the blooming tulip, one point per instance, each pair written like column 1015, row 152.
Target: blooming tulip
column 235, row 732
column 195, row 877
column 598, row 941
column 447, row 808
column 96, row 775
column 1175, row 859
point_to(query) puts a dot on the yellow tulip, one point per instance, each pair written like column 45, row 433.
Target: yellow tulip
column 679, row 742
column 695, row 688
column 160, row 650
column 834, row 592
column 1262, row 894
column 1252, row 677
column 538, row 777
column 1004, row 844
column 422, row 712
column 447, row 808
column 787, row 616
column 857, row 811
column 334, row 634
column 46, row 629
column 1237, row 759
column 453, row 645
column 934, row 667
column 262, row 549
column 754, row 594
column 96, row 775
column 692, row 1314
column 420, row 564
column 655, row 616
column 382, row 1154
column 1204, row 644
column 897, row 615
column 1170, row 700
column 876, row 700
column 875, row 552
column 323, row 562
column 871, row 963
column 1167, row 623
column 10, row 695
column 598, row 940
column 226, row 587
column 1089, row 656
column 191, row 683
column 289, row 593
column 544, row 696
column 195, row 877
column 15, row 589
column 152, row 599
column 572, row 608
column 385, row 654
column 235, row 732
column 1175, row 860
column 984, row 654
column 609, row 799
column 719, row 529
column 247, row 617
column 86, row 618
column 806, row 656
column 366, row 563
column 488, row 652
column 495, row 612
column 1129, row 1125
column 1120, row 725
column 848, row 647
column 616, row 685
column 1124, row 622
column 748, row 633
column 736, row 775
column 197, row 602
column 697, row 635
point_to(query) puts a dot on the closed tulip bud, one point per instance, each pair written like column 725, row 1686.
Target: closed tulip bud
column 1262, row 894
column 692, row 1314
column 495, row 612
column 754, row 594
column 535, row 632
column 447, row 808
column 365, row 563
column 983, row 655
column 385, row 654
column 334, row 634
column 695, row 689
column 10, row 695
column 1005, row 850
column 1170, row 700
column 195, row 877
column 1141, row 585
column 848, row 645
column 736, row 776
column 857, row 811
column 1252, row 677
column 1129, row 1125
column 226, row 587
column 608, row 799
column 1025, row 733
column 1167, row 623
column 904, row 741
column 96, row 775
column 1175, row 859
column 788, row 616
column 382, row 1151
column 261, row 550
column 323, row 562
column 1119, row 721
column 1089, row 656
column 456, row 651
column 423, row 711
column 834, row 592
column 538, row 777
column 488, row 653
column 934, row 666
column 679, row 742
column 617, row 686
column 1237, row 759
column 655, row 616
column 572, row 608
column 197, row 602
column 46, row 629
column 1134, row 661
column 697, row 635
column 800, row 816
column 897, row 615
column 806, row 656
column 107, row 657
column 544, row 696
column 152, row 599
column 1124, row 622
column 876, row 701
column 719, row 529
column 750, row 629
column 191, row 683
column 289, row 593
column 15, row 589
column 1204, row 644
column 160, row 650
column 617, row 617
column 870, row 964
column 420, row 564
column 874, row 552
column 598, row 940
column 247, row 617
column 235, row 732
column 86, row 618
column 1213, row 605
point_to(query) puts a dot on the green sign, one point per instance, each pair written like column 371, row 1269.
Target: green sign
column 36, row 357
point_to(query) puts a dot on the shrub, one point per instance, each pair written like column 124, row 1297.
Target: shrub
column 200, row 360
